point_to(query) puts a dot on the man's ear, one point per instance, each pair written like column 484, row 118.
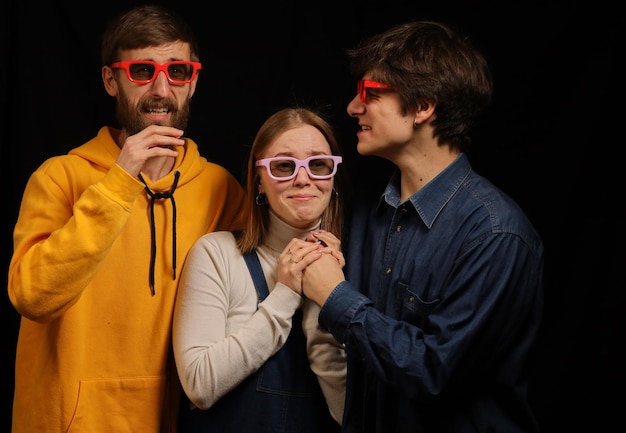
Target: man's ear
column 425, row 111
column 110, row 85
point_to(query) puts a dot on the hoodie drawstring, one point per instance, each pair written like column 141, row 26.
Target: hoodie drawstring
column 156, row 196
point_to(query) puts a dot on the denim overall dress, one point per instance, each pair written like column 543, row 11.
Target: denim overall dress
column 283, row 396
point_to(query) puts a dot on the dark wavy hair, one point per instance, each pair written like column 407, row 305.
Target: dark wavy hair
column 428, row 62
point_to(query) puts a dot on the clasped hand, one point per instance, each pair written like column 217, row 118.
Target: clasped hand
column 299, row 254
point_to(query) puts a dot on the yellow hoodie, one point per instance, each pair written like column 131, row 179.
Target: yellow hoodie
column 94, row 346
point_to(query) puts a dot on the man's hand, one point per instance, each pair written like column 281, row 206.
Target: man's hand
column 153, row 142
column 322, row 275
column 320, row 278
column 300, row 256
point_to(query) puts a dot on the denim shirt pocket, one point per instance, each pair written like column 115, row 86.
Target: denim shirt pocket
column 414, row 309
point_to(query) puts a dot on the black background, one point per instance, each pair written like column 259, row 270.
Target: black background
column 552, row 139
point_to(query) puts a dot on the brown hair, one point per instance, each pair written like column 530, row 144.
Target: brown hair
column 257, row 221
column 428, row 62
column 145, row 26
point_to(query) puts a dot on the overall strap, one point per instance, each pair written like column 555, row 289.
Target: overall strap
column 254, row 265
column 283, row 395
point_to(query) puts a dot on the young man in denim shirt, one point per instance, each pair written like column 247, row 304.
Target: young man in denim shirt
column 442, row 297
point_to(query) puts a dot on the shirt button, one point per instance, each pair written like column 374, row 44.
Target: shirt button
column 388, row 271
column 398, row 229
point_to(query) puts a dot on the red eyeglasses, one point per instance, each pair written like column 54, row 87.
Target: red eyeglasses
column 363, row 85
column 146, row 71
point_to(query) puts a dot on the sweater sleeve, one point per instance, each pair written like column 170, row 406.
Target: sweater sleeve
column 62, row 235
column 328, row 360
column 219, row 335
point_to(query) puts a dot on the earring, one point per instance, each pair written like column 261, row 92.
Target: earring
column 260, row 199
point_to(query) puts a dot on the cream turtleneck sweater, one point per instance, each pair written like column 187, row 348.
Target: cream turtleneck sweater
column 220, row 336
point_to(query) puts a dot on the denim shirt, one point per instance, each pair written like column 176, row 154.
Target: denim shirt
column 440, row 309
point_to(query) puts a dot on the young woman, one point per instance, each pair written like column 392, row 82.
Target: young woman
column 254, row 359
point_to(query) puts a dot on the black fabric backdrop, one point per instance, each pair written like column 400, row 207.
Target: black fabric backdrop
column 552, row 139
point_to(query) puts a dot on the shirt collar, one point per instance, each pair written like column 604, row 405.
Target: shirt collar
column 432, row 197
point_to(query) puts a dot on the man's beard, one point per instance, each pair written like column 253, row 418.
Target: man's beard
column 133, row 120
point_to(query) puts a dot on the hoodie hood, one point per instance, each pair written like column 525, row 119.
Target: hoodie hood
column 103, row 151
